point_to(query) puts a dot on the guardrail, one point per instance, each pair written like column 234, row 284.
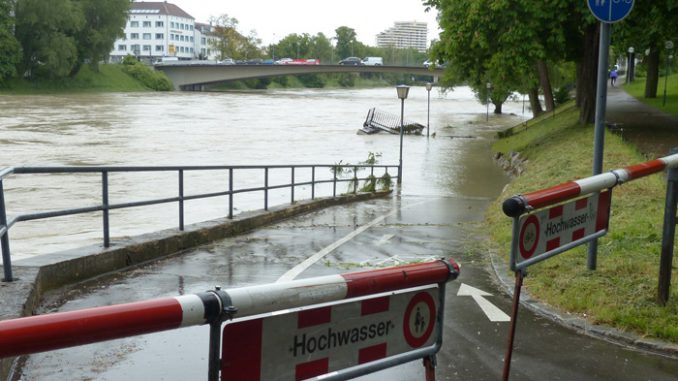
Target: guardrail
column 334, row 175
column 73, row 328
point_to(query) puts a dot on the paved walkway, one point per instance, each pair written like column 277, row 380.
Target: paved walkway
column 653, row 131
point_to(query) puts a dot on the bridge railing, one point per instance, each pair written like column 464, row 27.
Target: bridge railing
column 333, row 174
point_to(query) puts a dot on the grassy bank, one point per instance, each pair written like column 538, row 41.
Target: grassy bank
column 637, row 89
column 109, row 78
column 622, row 291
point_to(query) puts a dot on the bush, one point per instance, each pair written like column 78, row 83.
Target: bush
column 150, row 78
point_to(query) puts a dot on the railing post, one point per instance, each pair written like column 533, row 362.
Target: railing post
column 266, row 188
column 104, row 195
column 355, row 180
column 668, row 236
column 313, row 182
column 334, row 182
column 230, row 193
column 292, row 188
column 4, row 240
column 181, row 199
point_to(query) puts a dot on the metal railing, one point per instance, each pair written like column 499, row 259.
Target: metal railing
column 335, row 175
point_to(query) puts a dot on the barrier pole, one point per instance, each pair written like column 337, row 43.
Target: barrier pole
column 66, row 329
column 514, row 321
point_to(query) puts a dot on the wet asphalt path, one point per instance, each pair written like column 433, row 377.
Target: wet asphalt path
column 414, row 228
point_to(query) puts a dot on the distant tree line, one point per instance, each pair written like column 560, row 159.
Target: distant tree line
column 536, row 47
column 54, row 38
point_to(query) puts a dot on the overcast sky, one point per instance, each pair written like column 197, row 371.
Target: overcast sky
column 274, row 19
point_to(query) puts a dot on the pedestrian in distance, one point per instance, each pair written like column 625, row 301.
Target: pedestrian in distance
column 613, row 76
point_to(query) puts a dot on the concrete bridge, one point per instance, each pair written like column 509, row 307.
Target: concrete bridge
column 195, row 76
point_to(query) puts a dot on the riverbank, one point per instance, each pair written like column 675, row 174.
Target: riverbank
column 110, row 78
column 622, row 291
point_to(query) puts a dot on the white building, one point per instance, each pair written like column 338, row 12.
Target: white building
column 161, row 29
column 405, row 34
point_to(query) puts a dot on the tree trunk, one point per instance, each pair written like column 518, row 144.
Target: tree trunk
column 587, row 73
column 545, row 83
column 497, row 107
column 535, row 104
column 652, row 79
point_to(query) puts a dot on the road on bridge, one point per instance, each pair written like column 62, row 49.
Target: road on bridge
column 341, row 239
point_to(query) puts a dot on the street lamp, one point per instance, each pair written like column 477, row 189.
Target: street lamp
column 669, row 47
column 429, row 86
column 402, row 90
column 487, row 101
column 631, row 66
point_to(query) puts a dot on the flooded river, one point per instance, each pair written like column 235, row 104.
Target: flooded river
column 255, row 127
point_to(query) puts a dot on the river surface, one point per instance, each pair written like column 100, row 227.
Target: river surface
column 233, row 128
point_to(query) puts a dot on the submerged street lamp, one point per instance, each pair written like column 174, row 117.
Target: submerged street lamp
column 429, row 86
column 402, row 90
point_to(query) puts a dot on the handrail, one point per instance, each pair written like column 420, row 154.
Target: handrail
column 520, row 204
column 105, row 206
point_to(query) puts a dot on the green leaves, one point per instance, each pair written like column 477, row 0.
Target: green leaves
column 57, row 36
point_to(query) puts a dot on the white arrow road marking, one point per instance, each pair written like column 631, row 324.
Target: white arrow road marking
column 493, row 313
column 385, row 239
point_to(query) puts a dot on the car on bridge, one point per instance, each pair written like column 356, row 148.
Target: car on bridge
column 351, row 61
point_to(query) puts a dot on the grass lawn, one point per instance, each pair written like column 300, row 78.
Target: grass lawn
column 109, row 78
column 622, row 292
column 637, row 89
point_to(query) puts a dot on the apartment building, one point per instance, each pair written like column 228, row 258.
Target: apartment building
column 405, row 34
column 161, row 29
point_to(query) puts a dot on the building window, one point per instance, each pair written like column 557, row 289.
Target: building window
column 191, row 27
column 147, row 24
column 192, row 39
column 159, row 36
column 171, row 24
column 147, row 48
column 134, row 36
column 134, row 24
column 135, row 49
column 159, row 48
column 147, row 36
column 203, row 41
column 181, row 38
column 159, row 24
column 122, row 47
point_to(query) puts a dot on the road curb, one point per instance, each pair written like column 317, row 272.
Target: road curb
column 578, row 324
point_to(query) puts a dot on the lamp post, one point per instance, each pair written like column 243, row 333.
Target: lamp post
column 669, row 47
column 630, row 67
column 429, row 86
column 487, row 101
column 402, row 90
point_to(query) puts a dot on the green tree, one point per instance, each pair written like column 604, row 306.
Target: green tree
column 514, row 42
column 346, row 42
column 231, row 43
column 45, row 30
column 104, row 23
column 10, row 50
column 648, row 26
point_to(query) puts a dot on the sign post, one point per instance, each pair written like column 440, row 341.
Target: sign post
column 607, row 12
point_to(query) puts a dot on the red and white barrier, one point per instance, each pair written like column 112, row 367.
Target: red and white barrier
column 517, row 205
column 66, row 329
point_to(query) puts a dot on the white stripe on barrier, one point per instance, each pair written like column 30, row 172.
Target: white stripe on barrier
column 671, row 161
column 596, row 183
column 270, row 297
column 193, row 310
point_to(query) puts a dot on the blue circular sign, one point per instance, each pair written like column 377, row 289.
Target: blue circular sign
column 610, row 11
